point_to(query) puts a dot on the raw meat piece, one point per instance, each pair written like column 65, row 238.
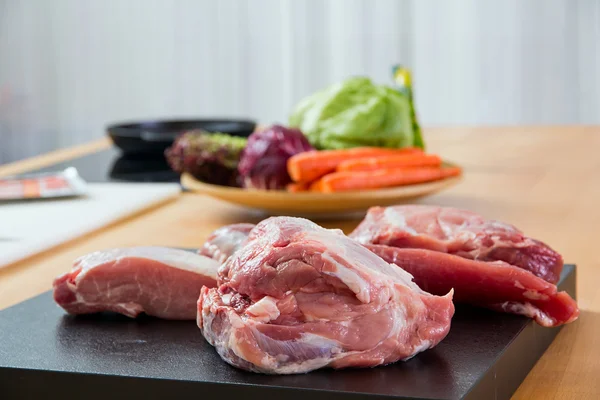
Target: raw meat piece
column 458, row 232
column 162, row 282
column 223, row 242
column 496, row 285
column 297, row 297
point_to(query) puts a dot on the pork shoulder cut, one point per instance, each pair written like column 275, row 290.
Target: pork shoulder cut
column 159, row 281
column 297, row 297
column 459, row 232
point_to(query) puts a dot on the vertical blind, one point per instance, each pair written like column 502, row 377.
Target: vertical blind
column 69, row 67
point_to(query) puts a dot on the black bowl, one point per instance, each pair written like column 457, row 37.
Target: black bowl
column 156, row 136
column 142, row 167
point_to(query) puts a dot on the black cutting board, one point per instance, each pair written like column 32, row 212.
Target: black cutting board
column 45, row 353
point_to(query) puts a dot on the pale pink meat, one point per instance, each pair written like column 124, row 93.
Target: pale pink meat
column 459, row 232
column 162, row 282
column 223, row 242
column 297, row 297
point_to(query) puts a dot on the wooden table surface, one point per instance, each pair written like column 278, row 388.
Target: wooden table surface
column 545, row 180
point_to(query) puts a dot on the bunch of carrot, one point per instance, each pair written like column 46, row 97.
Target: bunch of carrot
column 364, row 168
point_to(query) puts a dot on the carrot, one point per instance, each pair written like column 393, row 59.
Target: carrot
column 389, row 162
column 359, row 180
column 311, row 165
column 316, row 186
column 297, row 187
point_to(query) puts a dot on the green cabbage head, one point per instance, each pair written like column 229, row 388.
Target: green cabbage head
column 357, row 112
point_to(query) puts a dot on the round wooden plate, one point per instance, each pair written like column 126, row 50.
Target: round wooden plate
column 294, row 204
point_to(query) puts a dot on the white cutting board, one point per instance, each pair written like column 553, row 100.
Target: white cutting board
column 27, row 228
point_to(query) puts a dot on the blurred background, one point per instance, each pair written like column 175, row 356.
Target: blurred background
column 69, row 67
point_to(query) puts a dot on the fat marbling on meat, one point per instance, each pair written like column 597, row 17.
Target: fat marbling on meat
column 459, row 232
column 223, row 242
column 297, row 297
column 487, row 263
column 159, row 281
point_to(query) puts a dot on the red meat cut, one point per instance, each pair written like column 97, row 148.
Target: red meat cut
column 297, row 297
column 495, row 285
column 223, row 242
column 459, row 232
column 162, row 282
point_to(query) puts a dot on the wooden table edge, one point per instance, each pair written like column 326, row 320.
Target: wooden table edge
column 54, row 157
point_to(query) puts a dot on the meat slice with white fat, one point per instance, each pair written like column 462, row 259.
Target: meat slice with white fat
column 495, row 285
column 459, row 232
column 223, row 242
column 297, row 297
column 159, row 281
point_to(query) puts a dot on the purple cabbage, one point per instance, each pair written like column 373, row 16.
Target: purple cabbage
column 263, row 164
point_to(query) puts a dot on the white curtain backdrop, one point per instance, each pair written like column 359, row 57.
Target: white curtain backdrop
column 69, row 67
